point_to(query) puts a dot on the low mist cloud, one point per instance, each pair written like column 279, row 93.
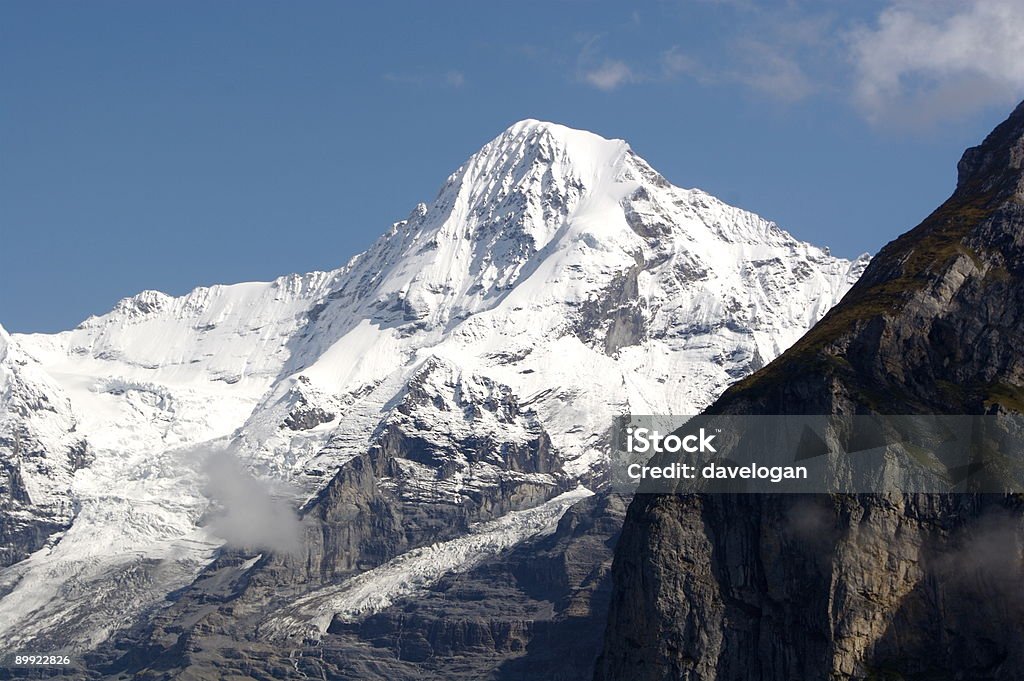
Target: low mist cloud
column 249, row 513
column 990, row 557
column 811, row 519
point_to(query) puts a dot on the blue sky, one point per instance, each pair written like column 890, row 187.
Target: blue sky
column 173, row 144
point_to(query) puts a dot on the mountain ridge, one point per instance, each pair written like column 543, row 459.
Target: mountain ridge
column 462, row 369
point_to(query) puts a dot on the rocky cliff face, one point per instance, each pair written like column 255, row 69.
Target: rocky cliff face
column 870, row 586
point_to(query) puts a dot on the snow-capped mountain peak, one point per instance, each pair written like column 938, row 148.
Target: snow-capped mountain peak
column 472, row 358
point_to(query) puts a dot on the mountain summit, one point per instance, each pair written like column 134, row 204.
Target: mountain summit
column 443, row 397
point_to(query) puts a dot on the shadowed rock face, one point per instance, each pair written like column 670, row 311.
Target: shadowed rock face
column 536, row 613
column 869, row 586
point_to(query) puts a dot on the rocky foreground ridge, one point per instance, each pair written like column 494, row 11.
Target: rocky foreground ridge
column 908, row 587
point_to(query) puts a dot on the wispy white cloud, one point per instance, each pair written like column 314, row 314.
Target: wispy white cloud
column 455, row 79
column 596, row 69
column 924, row 61
column 675, row 62
column 771, row 71
column 757, row 65
column 609, row 75
column 775, row 53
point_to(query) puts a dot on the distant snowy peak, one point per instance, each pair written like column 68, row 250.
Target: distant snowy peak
column 552, row 248
column 534, row 172
column 544, row 231
column 494, row 214
column 536, row 229
column 536, row 190
column 541, row 201
column 472, row 359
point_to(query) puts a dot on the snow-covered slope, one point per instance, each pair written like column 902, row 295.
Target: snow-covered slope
column 478, row 351
column 40, row 450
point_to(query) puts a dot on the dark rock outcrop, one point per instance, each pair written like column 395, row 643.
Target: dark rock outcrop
column 886, row 586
